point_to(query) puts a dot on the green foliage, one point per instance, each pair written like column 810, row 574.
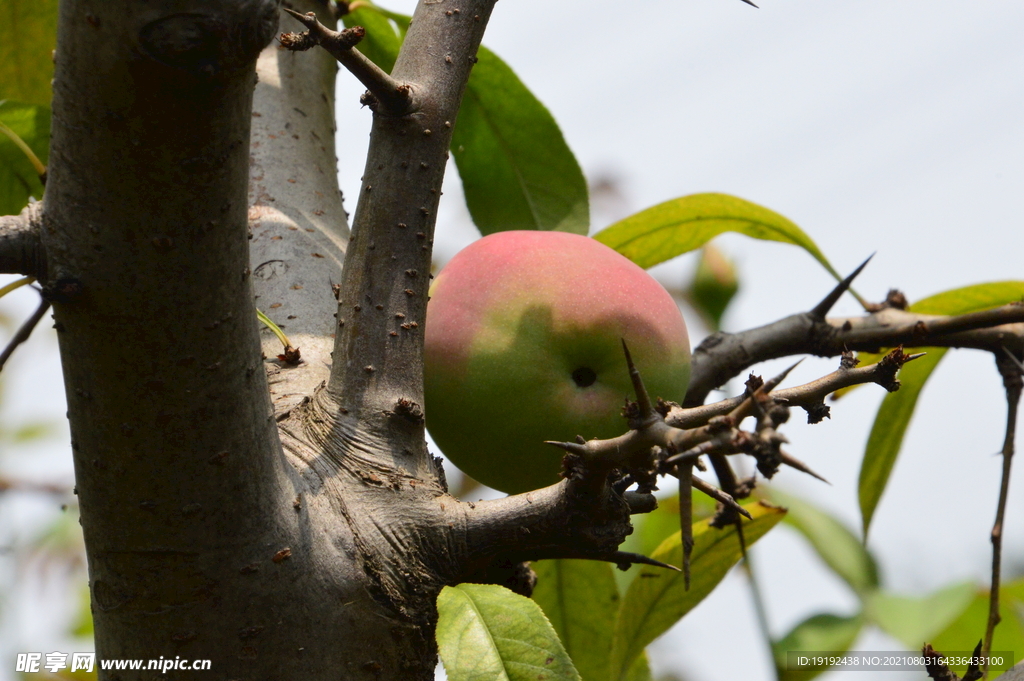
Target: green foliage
column 965, row 631
column 824, row 632
column 897, row 408
column 28, row 34
column 517, row 170
column 657, row 599
column 605, row 634
column 685, row 224
column 888, row 430
column 18, row 178
column 581, row 599
column 914, row 620
column 832, row 541
column 651, row 529
column 487, row 633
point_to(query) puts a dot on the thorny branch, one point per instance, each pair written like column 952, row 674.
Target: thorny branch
column 676, row 442
column 723, row 356
column 1012, row 372
column 670, row 440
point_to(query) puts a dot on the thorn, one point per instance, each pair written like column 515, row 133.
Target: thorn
column 626, row 558
column 822, row 308
column 571, row 447
column 916, row 355
column 307, row 20
column 686, row 518
column 691, row 456
column 773, row 383
column 800, row 466
column 719, row 495
column 643, row 400
column 751, row 4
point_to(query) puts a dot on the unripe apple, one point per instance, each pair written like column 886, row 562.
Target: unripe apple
column 524, row 337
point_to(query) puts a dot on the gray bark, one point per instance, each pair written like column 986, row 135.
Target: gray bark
column 264, row 526
column 282, row 521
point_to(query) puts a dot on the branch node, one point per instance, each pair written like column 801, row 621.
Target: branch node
column 394, row 97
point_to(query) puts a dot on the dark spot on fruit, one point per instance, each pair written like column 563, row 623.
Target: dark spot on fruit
column 584, row 377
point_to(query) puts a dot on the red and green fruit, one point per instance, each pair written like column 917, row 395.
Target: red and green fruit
column 524, row 337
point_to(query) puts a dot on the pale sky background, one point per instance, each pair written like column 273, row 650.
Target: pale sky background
column 875, row 126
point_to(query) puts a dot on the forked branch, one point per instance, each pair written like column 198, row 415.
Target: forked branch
column 389, row 96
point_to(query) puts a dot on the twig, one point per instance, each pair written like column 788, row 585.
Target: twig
column 21, row 251
column 37, row 165
column 394, row 97
column 894, row 327
column 15, row 285
column 718, row 436
column 24, row 332
column 8, row 485
column 724, row 355
column 1012, row 371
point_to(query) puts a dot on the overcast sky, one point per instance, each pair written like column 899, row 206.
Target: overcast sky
column 875, row 126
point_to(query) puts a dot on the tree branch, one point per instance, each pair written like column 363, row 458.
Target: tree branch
column 810, row 396
column 297, row 223
column 724, row 355
column 1012, row 372
column 577, row 518
column 24, row 332
column 388, row 96
column 21, row 251
column 378, row 352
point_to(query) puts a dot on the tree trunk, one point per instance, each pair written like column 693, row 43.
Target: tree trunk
column 288, row 528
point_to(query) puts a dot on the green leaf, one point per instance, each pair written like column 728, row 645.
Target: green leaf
column 651, row 529
column 911, row 620
column 833, row 634
column 28, row 34
column 640, row 670
column 832, row 541
column 887, row 432
column 685, row 224
column 487, row 633
column 967, row 629
column 897, row 408
column 657, row 598
column 580, row 599
column 517, row 171
column 18, row 178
